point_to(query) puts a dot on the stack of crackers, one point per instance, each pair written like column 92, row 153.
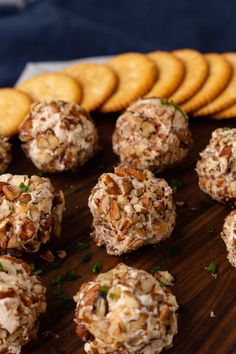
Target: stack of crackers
column 202, row 84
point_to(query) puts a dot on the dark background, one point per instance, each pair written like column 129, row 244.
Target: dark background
column 70, row 29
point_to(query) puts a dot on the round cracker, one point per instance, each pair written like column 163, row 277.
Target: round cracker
column 136, row 75
column 196, row 70
column 170, row 74
column 229, row 112
column 227, row 97
column 14, row 106
column 219, row 75
column 98, row 82
column 52, row 86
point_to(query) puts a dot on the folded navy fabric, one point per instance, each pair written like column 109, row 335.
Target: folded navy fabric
column 45, row 30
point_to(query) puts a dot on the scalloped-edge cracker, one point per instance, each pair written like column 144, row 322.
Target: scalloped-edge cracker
column 170, row 74
column 98, row 82
column 136, row 75
column 14, row 106
column 52, row 86
column 220, row 71
column 196, row 70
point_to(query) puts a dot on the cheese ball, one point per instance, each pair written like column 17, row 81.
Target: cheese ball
column 152, row 133
column 22, row 302
column 216, row 168
column 5, row 154
column 229, row 236
column 131, row 208
column 58, row 136
column 125, row 310
column 30, row 212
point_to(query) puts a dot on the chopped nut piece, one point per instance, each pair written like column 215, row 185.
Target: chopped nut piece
column 10, row 192
column 61, row 254
column 48, row 256
column 165, row 278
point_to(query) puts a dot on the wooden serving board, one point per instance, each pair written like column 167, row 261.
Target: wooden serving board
column 195, row 288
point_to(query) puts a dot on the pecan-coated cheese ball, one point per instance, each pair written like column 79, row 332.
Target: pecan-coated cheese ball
column 30, row 212
column 131, row 208
column 58, row 136
column 229, row 236
column 22, row 302
column 125, row 310
column 216, row 168
column 152, row 133
column 5, row 154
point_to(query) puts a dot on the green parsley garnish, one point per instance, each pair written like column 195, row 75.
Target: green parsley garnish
column 176, row 184
column 34, row 269
column 56, row 265
column 82, row 246
column 23, row 187
column 162, row 285
column 104, row 289
column 155, row 268
column 173, row 251
column 210, row 229
column 59, row 279
column 73, row 189
column 226, row 128
column 1, row 267
column 85, row 258
column 166, row 102
column 96, row 267
column 39, row 173
column 38, row 271
column 212, row 268
column 71, row 275
column 112, row 296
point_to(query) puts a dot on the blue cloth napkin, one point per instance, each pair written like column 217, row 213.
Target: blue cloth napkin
column 45, row 30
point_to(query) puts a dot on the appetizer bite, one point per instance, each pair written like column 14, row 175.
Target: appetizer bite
column 125, row 310
column 131, row 208
column 22, row 302
column 152, row 133
column 217, row 167
column 58, row 136
column 30, row 212
column 229, row 236
column 5, row 154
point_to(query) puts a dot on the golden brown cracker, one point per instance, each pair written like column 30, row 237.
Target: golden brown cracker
column 52, row 86
column 170, row 74
column 136, row 75
column 228, row 95
column 229, row 112
column 196, row 70
column 97, row 81
column 14, row 106
column 218, row 76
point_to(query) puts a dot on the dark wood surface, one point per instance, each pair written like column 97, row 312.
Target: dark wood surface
column 195, row 289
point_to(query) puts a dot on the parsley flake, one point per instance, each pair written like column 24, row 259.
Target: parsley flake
column 210, row 229
column 104, row 289
column 226, row 128
column 39, row 173
column 1, row 267
column 23, row 187
column 96, row 267
column 112, row 296
column 73, row 189
column 85, row 258
column 166, row 102
column 176, row 184
column 173, row 251
column 212, row 268
column 155, row 268
column 71, row 275
column 82, row 246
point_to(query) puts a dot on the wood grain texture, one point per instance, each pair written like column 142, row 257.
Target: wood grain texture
column 198, row 291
